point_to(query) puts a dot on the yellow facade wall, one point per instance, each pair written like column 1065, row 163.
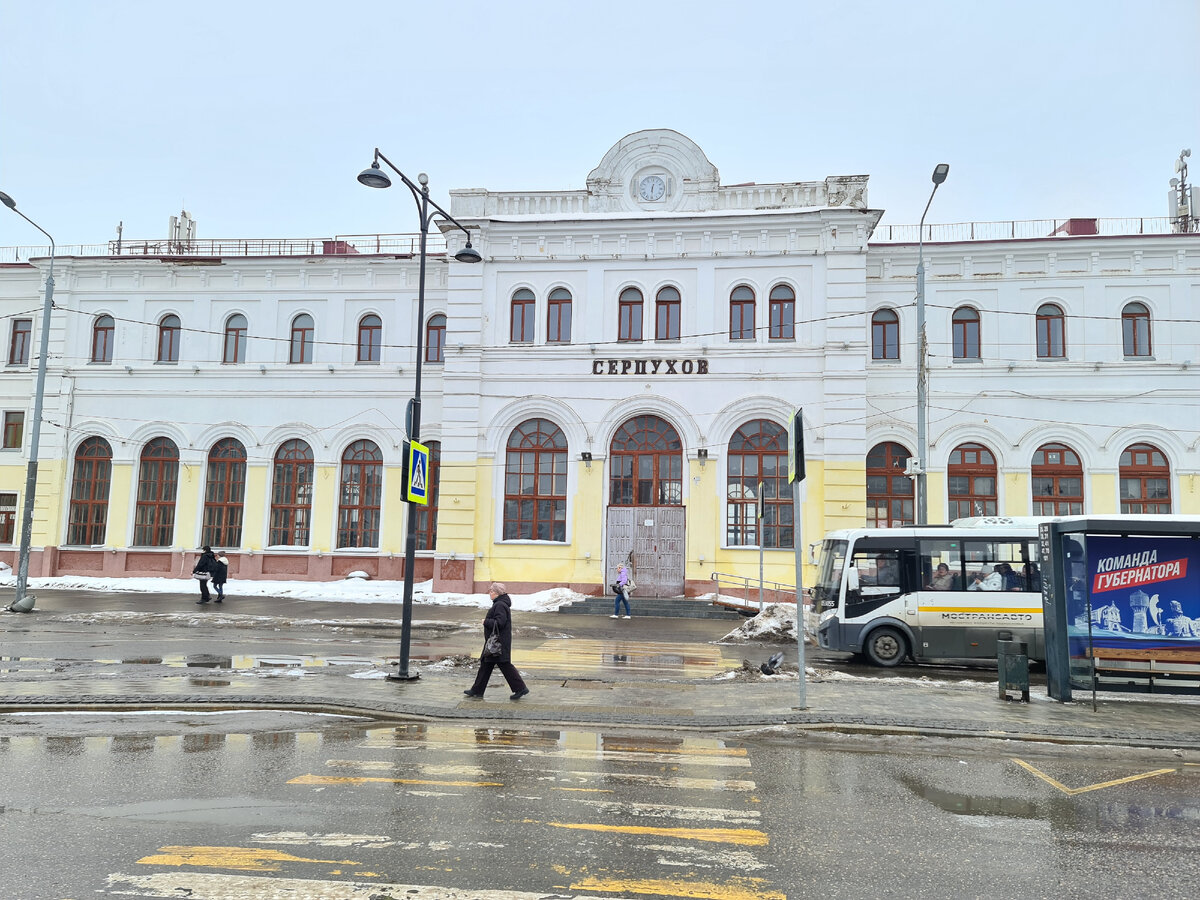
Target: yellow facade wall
column 1017, row 498
column 324, row 508
column 118, row 532
column 254, row 514
column 1101, row 498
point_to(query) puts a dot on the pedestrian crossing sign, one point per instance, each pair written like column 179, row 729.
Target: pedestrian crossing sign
column 418, row 473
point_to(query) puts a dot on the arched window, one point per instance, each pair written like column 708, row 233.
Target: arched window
column 1057, row 481
column 535, row 483
column 1145, row 478
column 168, row 339
column 427, row 515
column 302, row 339
column 522, row 324
column 783, row 313
column 1051, row 332
column 885, row 335
column 646, row 461
column 890, row 492
column 558, row 317
column 370, row 338
column 291, row 494
column 224, row 494
column 158, row 479
column 667, row 309
column 435, row 339
column 741, row 314
column 361, row 495
column 235, row 339
column 965, row 326
column 88, row 515
column 629, row 315
column 971, row 481
column 758, row 455
column 102, row 339
column 1135, row 329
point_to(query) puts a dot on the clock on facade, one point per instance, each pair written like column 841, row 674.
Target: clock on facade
column 652, row 187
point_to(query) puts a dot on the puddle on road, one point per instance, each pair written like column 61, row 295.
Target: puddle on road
column 643, row 658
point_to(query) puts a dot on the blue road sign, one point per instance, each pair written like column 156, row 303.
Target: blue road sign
column 418, row 473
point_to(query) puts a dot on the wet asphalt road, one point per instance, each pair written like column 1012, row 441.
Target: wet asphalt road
column 262, row 804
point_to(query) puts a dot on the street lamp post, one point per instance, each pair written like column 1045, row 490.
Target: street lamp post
column 23, row 602
column 939, row 175
column 375, row 177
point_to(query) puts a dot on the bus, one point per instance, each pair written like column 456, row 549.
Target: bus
column 931, row 591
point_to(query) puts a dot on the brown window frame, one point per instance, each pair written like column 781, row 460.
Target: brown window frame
column 1055, row 470
column 885, row 334
column 158, row 484
column 91, row 480
column 758, row 454
column 522, row 312
column 972, row 502
column 8, row 516
column 370, row 339
column 668, row 314
column 1051, row 332
column 14, row 429
column 558, row 316
column 427, row 515
column 435, row 339
column 19, row 342
column 300, row 347
column 103, row 334
column 742, row 314
column 292, row 477
column 966, row 333
column 1136, row 329
column 535, row 483
column 782, row 306
column 630, row 313
column 890, row 493
column 359, row 517
column 224, row 494
column 169, row 329
column 234, row 349
column 646, row 464
column 1149, row 467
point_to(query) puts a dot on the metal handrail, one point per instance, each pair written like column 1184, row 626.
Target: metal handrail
column 748, row 585
column 1021, row 229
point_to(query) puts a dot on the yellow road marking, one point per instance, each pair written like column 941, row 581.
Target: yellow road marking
column 699, row 890
column 1091, row 787
column 331, row 779
column 248, row 859
column 748, row 837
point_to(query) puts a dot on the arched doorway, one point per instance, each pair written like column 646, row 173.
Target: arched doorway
column 645, row 506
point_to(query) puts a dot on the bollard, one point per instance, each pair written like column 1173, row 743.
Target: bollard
column 1012, row 661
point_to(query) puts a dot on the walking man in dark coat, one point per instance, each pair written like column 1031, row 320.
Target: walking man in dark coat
column 498, row 621
column 204, row 569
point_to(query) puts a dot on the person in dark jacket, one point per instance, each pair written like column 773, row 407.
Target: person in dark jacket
column 220, row 575
column 204, row 569
column 498, row 621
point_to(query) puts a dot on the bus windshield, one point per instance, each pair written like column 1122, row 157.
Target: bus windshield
column 829, row 581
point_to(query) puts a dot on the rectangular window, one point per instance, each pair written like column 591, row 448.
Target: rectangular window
column 235, row 345
column 741, row 319
column 14, row 430
column 8, row 518
column 629, row 321
column 18, row 348
column 558, row 322
column 783, row 319
column 522, row 321
column 667, row 324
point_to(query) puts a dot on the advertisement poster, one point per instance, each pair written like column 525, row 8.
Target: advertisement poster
column 1134, row 596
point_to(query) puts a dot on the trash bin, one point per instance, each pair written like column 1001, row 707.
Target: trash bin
column 1012, row 660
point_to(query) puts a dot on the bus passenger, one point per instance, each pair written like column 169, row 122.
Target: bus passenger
column 942, row 580
column 1012, row 581
column 984, row 582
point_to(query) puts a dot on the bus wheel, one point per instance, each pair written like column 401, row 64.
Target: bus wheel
column 886, row 647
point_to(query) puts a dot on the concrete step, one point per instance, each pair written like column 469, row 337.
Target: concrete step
column 655, row 607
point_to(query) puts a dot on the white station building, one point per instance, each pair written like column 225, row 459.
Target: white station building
column 613, row 381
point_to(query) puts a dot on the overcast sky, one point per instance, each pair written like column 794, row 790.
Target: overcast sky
column 256, row 115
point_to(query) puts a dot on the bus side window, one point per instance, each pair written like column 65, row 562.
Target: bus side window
column 941, row 565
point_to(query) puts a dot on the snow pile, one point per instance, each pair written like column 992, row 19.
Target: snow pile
column 775, row 624
column 349, row 590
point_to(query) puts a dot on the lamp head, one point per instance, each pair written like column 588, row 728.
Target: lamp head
column 468, row 254
column 8, row 201
column 374, row 177
column 940, row 171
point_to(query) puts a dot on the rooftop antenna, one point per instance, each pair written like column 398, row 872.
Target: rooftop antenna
column 1182, row 203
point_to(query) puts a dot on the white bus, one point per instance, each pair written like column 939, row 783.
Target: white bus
column 931, row 592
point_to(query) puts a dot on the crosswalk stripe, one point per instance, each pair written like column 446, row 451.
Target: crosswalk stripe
column 331, row 779
column 213, row 886
column 747, row 837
